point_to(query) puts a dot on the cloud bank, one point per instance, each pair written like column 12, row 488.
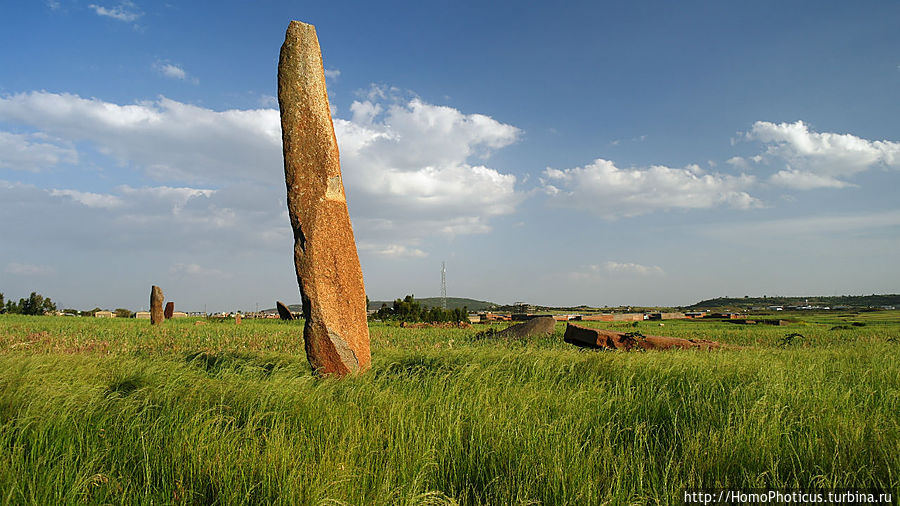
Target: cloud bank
column 411, row 169
column 611, row 192
column 819, row 159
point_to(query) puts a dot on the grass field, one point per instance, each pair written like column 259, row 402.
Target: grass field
column 104, row 411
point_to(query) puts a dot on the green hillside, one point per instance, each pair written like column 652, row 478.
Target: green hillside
column 823, row 301
column 295, row 308
column 452, row 303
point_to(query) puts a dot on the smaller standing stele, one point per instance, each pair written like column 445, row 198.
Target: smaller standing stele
column 284, row 312
column 156, row 305
column 335, row 332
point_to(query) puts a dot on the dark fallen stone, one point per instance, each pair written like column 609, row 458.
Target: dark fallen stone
column 608, row 339
column 542, row 326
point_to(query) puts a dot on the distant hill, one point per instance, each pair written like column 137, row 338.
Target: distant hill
column 452, row 303
column 830, row 301
column 295, row 308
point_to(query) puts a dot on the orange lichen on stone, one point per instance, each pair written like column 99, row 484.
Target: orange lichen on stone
column 331, row 283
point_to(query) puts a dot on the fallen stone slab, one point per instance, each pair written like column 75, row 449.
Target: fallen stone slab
column 626, row 341
column 542, row 326
column 156, row 308
column 336, row 332
column 283, row 311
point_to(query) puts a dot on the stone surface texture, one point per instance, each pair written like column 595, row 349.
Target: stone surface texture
column 284, row 312
column 170, row 310
column 336, row 333
column 609, row 339
column 542, row 326
column 156, row 305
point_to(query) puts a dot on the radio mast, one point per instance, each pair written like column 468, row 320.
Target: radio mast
column 444, row 285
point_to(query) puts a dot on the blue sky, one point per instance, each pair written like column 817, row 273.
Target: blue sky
column 587, row 153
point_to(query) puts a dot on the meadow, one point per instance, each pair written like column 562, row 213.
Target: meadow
column 101, row 411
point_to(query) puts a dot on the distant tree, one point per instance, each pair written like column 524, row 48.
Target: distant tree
column 123, row 313
column 36, row 304
column 409, row 309
column 12, row 308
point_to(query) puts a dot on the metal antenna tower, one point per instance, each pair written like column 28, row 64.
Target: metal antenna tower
column 444, row 285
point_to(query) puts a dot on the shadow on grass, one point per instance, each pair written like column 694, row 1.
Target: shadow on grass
column 419, row 365
column 126, row 385
column 245, row 364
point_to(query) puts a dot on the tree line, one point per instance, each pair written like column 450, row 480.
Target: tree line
column 35, row 304
column 408, row 309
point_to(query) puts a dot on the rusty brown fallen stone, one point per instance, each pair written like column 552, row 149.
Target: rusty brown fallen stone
column 156, row 309
column 170, row 310
column 609, row 339
column 336, row 332
column 284, row 312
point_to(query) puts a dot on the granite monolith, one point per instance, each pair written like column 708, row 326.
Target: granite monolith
column 156, row 305
column 284, row 312
column 169, row 310
column 336, row 333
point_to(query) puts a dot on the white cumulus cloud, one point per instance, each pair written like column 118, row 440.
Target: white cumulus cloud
column 33, row 152
column 819, row 159
column 392, row 250
column 629, row 268
column 805, row 180
column 125, row 11
column 173, row 71
column 166, row 139
column 611, row 192
column 411, row 169
column 96, row 200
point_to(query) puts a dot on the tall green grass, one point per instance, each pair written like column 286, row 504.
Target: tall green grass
column 114, row 411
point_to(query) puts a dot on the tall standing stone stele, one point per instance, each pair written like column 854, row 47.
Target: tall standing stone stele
column 156, row 307
column 336, row 334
